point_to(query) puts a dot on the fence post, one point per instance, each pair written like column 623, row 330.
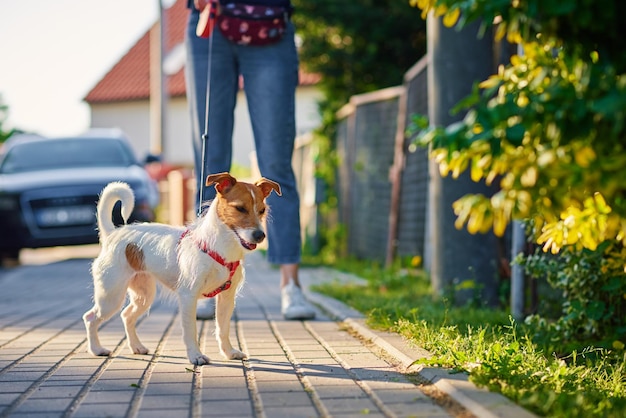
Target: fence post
column 176, row 198
column 395, row 177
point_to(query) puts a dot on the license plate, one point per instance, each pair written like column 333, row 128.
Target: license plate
column 69, row 215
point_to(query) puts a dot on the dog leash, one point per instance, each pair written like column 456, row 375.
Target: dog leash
column 212, row 11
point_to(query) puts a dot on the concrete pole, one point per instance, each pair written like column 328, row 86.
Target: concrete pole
column 457, row 60
column 518, row 278
column 517, row 272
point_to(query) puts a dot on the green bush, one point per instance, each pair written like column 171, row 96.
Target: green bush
column 593, row 284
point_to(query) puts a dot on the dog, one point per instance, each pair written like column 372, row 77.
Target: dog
column 201, row 260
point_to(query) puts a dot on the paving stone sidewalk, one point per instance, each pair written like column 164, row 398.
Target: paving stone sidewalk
column 333, row 366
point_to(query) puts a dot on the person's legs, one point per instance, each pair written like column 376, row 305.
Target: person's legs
column 288, row 273
column 223, row 95
column 270, row 79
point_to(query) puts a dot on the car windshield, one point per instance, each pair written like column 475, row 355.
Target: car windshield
column 66, row 153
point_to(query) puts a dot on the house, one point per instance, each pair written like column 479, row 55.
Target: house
column 121, row 98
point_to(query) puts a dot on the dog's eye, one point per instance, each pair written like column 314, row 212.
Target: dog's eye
column 241, row 209
column 262, row 211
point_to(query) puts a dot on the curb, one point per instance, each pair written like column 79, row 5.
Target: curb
column 478, row 401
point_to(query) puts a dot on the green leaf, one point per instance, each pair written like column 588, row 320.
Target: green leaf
column 609, row 104
column 515, row 134
column 614, row 283
column 595, row 310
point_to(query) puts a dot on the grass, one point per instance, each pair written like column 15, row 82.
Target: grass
column 497, row 352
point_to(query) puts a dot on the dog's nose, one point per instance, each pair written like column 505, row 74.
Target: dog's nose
column 258, row 236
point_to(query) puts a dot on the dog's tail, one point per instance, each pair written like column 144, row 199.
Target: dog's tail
column 112, row 193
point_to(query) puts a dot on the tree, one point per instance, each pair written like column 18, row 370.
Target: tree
column 550, row 126
column 358, row 46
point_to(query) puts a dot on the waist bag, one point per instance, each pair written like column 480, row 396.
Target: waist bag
column 247, row 24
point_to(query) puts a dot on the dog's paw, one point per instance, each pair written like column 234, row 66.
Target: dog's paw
column 139, row 349
column 234, row 354
column 199, row 360
column 99, row 351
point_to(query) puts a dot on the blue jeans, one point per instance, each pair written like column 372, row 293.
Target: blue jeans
column 270, row 76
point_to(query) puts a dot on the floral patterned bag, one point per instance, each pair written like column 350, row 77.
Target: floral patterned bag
column 247, row 24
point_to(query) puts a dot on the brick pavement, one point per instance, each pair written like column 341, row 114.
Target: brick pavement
column 332, row 366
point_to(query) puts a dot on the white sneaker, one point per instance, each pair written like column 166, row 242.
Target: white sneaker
column 294, row 306
column 205, row 308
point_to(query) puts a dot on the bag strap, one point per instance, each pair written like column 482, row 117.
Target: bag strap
column 267, row 3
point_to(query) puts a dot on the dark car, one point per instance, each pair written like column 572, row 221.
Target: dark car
column 49, row 188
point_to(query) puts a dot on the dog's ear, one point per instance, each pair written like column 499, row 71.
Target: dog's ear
column 223, row 182
column 267, row 186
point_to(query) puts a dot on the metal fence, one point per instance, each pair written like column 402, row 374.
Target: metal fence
column 382, row 181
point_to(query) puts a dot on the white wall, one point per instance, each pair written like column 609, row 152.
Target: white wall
column 131, row 117
column 134, row 119
column 307, row 113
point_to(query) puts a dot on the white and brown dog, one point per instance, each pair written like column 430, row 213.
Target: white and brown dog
column 202, row 260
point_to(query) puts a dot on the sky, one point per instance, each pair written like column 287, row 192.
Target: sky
column 53, row 52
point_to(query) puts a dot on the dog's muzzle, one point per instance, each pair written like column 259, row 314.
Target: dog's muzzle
column 257, row 237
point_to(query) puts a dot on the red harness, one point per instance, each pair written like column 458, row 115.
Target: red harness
column 231, row 266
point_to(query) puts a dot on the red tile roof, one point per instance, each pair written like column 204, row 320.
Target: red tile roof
column 129, row 79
